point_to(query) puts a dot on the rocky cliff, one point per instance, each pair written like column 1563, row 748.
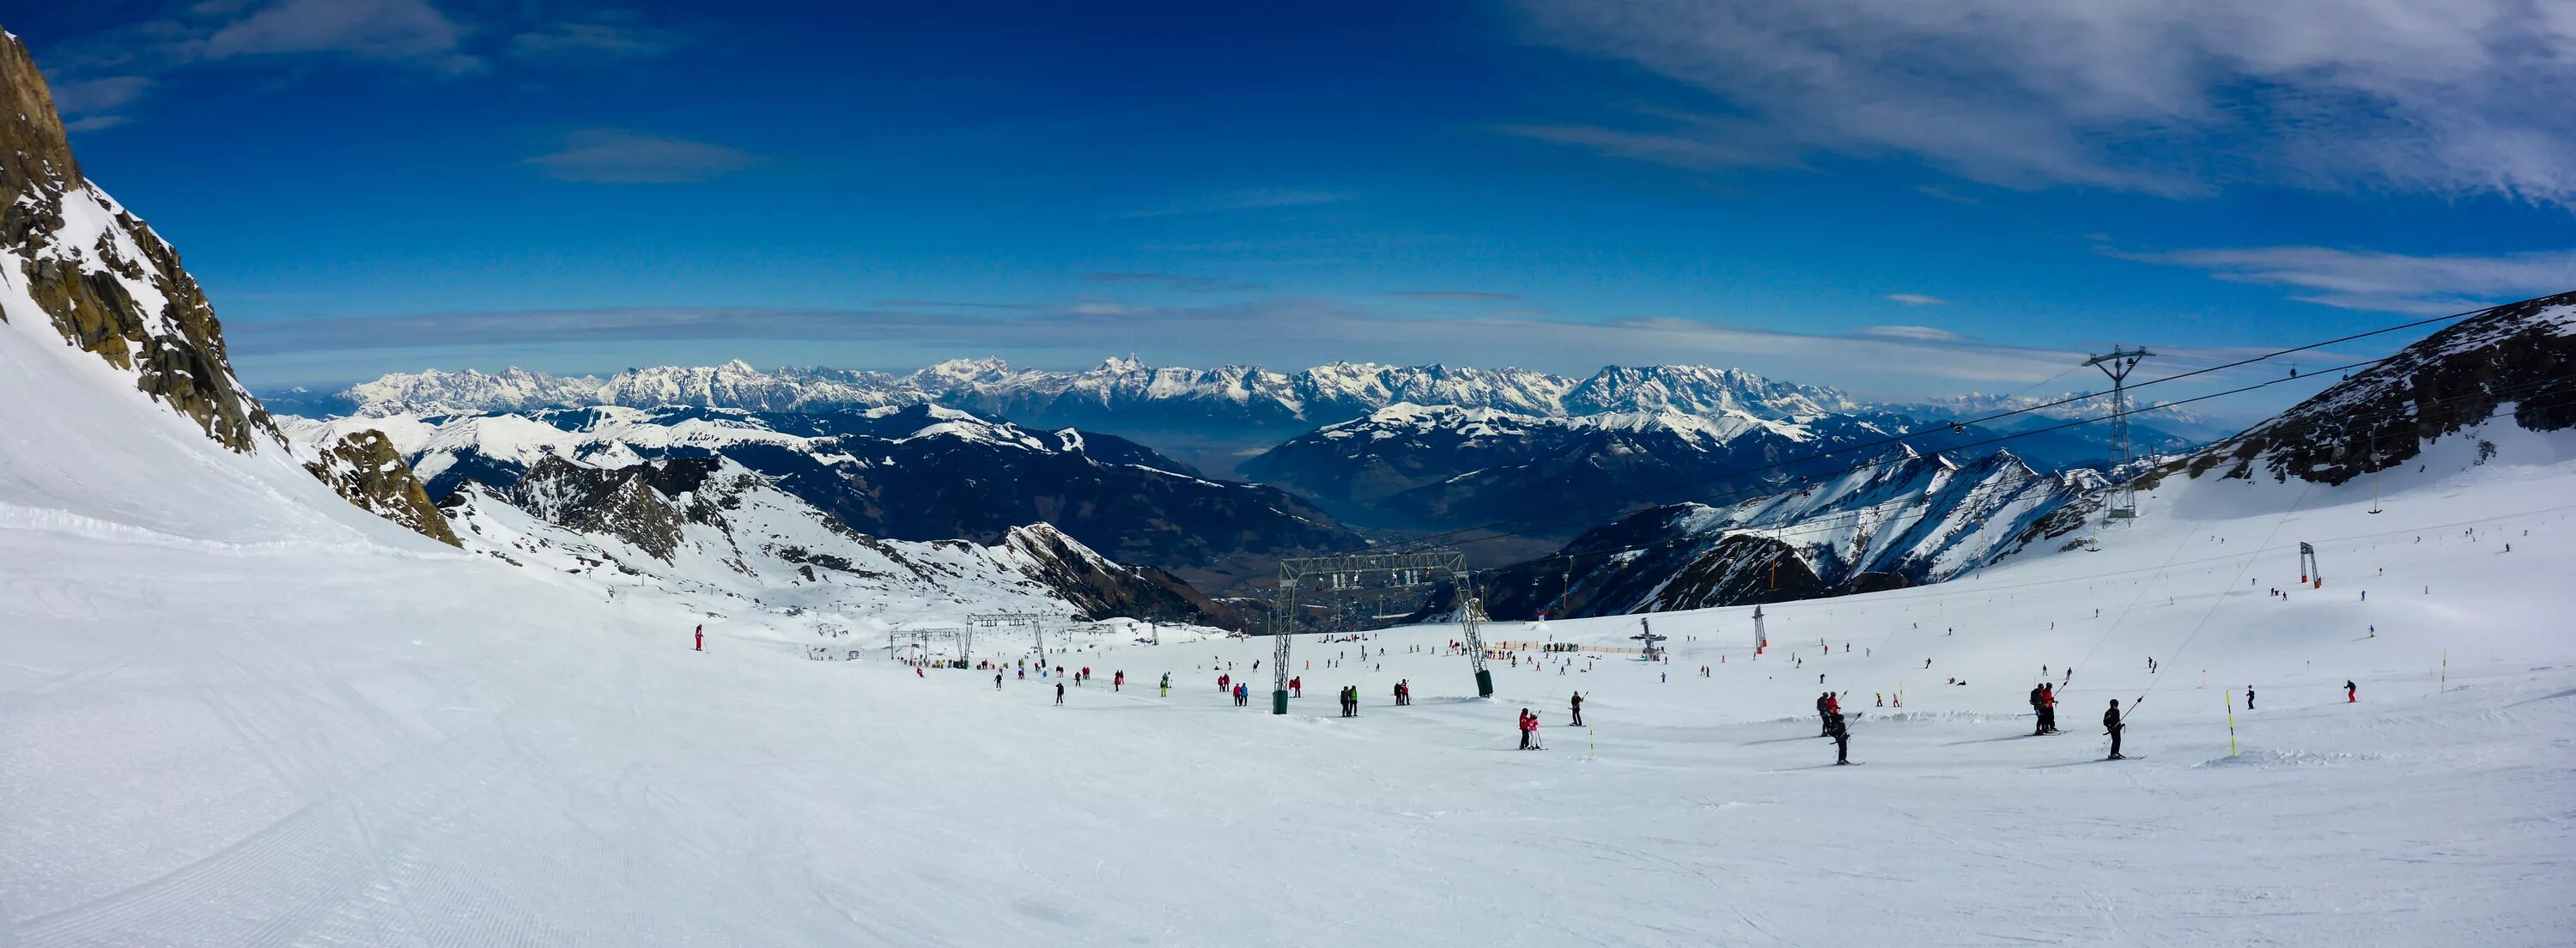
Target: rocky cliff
column 364, row 467
column 72, row 257
column 2522, row 355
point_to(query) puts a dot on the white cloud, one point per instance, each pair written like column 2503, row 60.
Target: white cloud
column 1917, row 299
column 381, row 29
column 2363, row 279
column 613, row 156
column 1916, row 333
column 594, row 39
column 2166, row 96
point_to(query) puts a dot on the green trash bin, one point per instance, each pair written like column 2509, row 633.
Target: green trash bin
column 1484, row 683
column 1279, row 701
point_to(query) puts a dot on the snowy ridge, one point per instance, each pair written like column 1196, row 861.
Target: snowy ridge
column 1912, row 520
column 76, row 263
column 2513, row 367
column 918, row 472
column 1437, row 466
column 713, row 531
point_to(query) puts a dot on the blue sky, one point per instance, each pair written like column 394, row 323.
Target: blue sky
column 1865, row 193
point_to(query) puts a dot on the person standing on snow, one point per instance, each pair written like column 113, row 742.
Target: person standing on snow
column 1167, row 684
column 2038, row 711
column 2112, row 725
column 1575, row 704
column 702, row 638
column 2047, row 708
column 2351, row 692
column 1529, row 728
column 1841, row 733
column 2249, row 697
column 997, row 681
column 1059, row 692
column 1824, row 718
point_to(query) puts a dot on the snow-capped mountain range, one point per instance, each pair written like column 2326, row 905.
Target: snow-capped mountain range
column 1120, row 391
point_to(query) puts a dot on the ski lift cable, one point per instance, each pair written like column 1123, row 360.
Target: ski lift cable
column 1899, row 439
column 1817, row 525
column 1831, row 522
column 1581, row 512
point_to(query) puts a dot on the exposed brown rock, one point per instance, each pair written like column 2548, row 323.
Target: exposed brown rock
column 364, row 467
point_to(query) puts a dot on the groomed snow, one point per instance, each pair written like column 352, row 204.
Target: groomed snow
column 297, row 728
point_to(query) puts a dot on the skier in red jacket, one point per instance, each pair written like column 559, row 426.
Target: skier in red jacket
column 1529, row 729
column 702, row 638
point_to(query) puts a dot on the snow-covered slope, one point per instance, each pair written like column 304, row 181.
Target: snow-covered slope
column 310, row 741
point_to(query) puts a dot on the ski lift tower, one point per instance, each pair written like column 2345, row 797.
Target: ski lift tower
column 1350, row 578
column 1646, row 634
column 1035, row 622
column 2123, row 503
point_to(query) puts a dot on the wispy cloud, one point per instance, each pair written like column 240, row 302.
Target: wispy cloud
column 2174, row 97
column 1458, row 295
column 594, row 39
column 1916, row 333
column 97, row 77
column 2387, row 282
column 1917, row 299
column 615, row 156
column 1194, row 284
column 1243, row 201
column 409, row 30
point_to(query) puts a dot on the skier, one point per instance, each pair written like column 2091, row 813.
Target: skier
column 1059, row 692
column 1242, row 696
column 1529, row 728
column 2047, row 708
column 2249, row 697
column 2351, row 692
column 997, row 681
column 1841, row 733
column 1824, row 717
column 1297, row 686
column 702, row 639
column 1167, row 684
column 2038, row 711
column 1118, row 681
column 2112, row 725
column 1575, row 704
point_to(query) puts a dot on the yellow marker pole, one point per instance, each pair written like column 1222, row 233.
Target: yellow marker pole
column 2231, row 722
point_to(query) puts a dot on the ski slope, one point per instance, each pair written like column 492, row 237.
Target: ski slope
column 235, row 711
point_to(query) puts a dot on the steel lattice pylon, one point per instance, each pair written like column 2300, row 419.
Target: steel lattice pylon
column 2123, row 502
column 1358, row 574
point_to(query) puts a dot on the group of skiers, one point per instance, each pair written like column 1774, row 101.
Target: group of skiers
column 1350, row 701
column 1403, row 692
column 2043, row 705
